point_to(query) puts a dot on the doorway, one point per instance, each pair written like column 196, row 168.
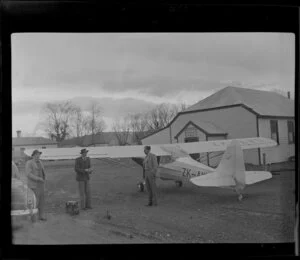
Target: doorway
column 195, row 156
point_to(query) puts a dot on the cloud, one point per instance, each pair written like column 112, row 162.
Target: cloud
column 26, row 107
column 154, row 64
column 114, row 108
column 257, row 52
column 126, row 72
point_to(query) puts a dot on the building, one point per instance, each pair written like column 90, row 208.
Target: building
column 19, row 144
column 233, row 113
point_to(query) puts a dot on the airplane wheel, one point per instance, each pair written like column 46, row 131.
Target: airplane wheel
column 178, row 183
column 141, row 187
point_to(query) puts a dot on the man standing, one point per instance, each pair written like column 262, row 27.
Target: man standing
column 35, row 173
column 150, row 167
column 83, row 170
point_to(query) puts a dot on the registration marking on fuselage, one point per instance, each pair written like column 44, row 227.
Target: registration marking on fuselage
column 189, row 174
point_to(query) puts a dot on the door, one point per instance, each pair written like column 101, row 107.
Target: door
column 195, row 156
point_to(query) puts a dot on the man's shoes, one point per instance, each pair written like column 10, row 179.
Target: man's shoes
column 154, row 204
column 149, row 205
column 42, row 219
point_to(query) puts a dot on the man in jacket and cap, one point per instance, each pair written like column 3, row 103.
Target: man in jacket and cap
column 83, row 170
column 35, row 173
column 150, row 166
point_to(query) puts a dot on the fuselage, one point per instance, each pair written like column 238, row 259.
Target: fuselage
column 182, row 168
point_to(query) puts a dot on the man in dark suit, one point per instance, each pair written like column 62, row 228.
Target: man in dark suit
column 150, row 167
column 83, row 170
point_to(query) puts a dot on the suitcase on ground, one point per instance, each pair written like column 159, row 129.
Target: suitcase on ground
column 72, row 208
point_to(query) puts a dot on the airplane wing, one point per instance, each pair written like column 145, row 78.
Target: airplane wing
column 97, row 152
column 157, row 149
column 221, row 145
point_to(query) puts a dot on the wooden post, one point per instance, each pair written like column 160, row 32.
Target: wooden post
column 207, row 154
column 264, row 162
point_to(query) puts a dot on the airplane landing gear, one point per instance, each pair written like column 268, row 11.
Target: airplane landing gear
column 141, row 186
column 178, row 183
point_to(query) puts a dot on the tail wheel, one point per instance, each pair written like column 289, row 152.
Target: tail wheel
column 178, row 183
column 141, row 187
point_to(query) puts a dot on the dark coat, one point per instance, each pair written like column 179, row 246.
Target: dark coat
column 150, row 163
column 80, row 166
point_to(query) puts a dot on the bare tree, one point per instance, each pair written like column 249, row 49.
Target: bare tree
column 57, row 119
column 94, row 123
column 138, row 126
column 155, row 119
column 162, row 115
column 79, row 121
column 121, row 130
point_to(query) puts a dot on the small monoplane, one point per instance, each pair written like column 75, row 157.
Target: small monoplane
column 176, row 164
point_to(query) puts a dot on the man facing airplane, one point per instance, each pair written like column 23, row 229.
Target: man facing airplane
column 83, row 170
column 150, row 166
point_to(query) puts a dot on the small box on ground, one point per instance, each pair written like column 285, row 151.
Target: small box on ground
column 72, row 208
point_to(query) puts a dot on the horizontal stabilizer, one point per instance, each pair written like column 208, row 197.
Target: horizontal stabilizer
column 257, row 176
column 216, row 180
column 213, row 180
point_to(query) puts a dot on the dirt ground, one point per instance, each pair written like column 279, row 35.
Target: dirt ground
column 188, row 214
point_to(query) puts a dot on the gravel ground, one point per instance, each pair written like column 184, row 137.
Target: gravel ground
column 189, row 214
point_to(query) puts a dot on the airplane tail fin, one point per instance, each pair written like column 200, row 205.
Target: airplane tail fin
column 231, row 171
column 232, row 164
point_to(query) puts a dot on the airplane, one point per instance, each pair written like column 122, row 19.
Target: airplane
column 176, row 164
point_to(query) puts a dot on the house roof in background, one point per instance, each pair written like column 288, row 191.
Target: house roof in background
column 24, row 141
column 264, row 103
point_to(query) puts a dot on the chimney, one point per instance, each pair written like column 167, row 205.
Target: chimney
column 289, row 95
column 19, row 133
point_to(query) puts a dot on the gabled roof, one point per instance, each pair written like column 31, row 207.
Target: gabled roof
column 23, row 141
column 206, row 127
column 264, row 103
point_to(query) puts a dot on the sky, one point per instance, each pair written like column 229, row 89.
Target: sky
column 132, row 72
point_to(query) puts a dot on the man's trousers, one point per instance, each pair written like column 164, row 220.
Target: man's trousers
column 151, row 187
column 85, row 194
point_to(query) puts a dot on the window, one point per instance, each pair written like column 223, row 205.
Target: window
column 291, row 132
column 274, row 130
column 190, row 132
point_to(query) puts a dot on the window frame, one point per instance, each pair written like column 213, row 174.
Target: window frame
column 293, row 131
column 277, row 130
